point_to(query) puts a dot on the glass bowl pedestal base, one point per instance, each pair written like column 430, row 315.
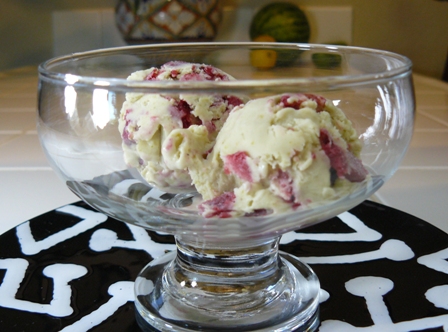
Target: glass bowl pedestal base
column 233, row 287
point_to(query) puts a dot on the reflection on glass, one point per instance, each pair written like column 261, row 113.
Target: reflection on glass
column 100, row 108
column 70, row 100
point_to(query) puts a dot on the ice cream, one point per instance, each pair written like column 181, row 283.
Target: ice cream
column 279, row 153
column 161, row 133
column 268, row 155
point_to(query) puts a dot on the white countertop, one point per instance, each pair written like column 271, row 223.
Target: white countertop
column 29, row 187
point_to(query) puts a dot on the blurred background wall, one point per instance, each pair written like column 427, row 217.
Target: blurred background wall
column 415, row 28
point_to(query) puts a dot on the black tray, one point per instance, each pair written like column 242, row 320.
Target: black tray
column 72, row 269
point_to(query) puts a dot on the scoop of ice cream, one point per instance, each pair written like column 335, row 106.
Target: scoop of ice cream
column 161, row 133
column 279, row 153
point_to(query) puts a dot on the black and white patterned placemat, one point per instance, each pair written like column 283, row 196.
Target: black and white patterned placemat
column 72, row 269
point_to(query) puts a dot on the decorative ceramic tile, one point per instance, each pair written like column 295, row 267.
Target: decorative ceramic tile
column 176, row 20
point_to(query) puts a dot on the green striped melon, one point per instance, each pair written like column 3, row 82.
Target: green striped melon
column 283, row 21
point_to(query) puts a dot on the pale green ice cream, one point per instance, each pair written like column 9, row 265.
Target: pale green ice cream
column 269, row 155
column 279, row 153
column 153, row 126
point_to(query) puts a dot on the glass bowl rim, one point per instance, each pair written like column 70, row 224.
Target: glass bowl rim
column 47, row 72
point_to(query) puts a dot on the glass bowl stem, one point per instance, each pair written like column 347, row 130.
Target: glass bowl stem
column 244, row 287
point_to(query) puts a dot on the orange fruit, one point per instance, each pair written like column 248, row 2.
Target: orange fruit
column 263, row 58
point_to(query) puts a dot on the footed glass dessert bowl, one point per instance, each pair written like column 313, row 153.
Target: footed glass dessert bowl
column 226, row 146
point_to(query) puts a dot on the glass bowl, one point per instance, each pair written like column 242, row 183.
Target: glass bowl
column 227, row 272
